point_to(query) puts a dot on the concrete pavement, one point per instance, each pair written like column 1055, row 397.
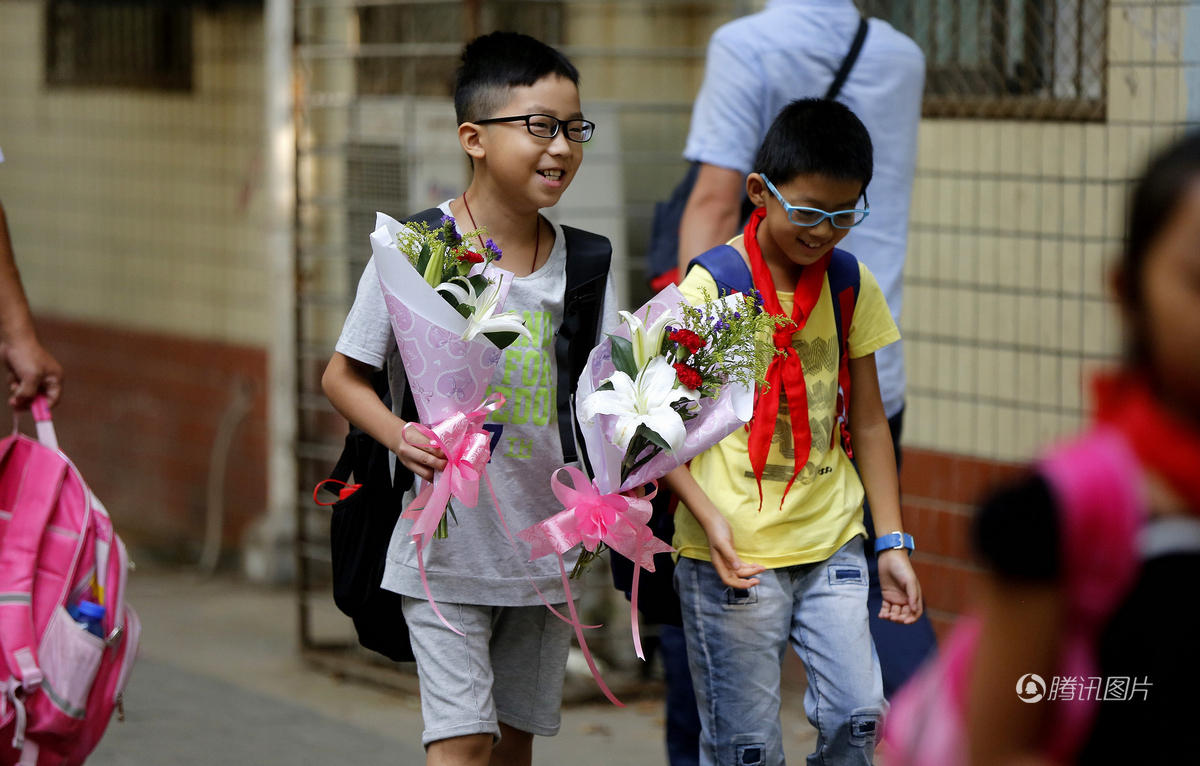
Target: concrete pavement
column 220, row 679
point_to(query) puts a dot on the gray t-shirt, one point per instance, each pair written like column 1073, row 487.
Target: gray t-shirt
column 476, row 564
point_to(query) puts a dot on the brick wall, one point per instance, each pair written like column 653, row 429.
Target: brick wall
column 139, row 416
column 938, row 493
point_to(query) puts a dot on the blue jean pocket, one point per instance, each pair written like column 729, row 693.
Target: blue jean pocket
column 862, row 729
column 741, row 596
column 750, row 755
column 846, row 574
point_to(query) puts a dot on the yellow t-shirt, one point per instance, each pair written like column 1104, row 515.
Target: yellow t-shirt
column 823, row 510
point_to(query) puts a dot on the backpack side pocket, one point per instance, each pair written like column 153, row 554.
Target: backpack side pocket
column 69, row 657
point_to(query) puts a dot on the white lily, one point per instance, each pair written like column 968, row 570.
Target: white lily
column 484, row 318
column 644, row 401
column 647, row 341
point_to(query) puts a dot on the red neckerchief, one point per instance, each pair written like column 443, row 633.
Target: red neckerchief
column 785, row 375
column 1165, row 444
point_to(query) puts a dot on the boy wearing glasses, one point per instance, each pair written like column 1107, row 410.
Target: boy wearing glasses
column 486, row 693
column 769, row 527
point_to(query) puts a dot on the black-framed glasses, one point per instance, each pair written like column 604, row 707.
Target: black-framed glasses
column 545, row 126
column 811, row 216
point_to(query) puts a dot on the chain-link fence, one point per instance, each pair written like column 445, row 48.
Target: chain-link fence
column 1031, row 59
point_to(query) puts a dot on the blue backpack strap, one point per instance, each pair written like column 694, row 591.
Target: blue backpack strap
column 845, row 280
column 843, row 274
column 727, row 268
column 730, row 272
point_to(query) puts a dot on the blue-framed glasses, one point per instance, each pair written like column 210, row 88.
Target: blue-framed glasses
column 545, row 126
column 811, row 216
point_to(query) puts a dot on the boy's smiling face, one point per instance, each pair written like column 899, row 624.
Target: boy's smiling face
column 787, row 246
column 526, row 168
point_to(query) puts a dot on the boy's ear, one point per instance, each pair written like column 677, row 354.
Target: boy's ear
column 470, row 138
column 756, row 189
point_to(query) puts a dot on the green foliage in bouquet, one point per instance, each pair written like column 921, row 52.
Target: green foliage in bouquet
column 736, row 343
column 445, row 261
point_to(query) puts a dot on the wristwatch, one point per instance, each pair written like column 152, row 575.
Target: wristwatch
column 894, row 541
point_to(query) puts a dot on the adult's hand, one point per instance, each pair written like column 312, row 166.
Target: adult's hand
column 31, row 370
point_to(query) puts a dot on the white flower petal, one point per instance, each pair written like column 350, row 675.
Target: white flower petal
column 623, row 384
column 626, row 427
column 634, row 322
column 460, row 295
column 484, row 318
column 646, row 340
column 667, row 423
column 604, row 403
column 658, row 375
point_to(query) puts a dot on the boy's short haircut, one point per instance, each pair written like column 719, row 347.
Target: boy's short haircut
column 818, row 136
column 494, row 63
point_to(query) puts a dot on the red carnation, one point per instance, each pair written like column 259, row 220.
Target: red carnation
column 688, row 375
column 470, row 256
column 689, row 340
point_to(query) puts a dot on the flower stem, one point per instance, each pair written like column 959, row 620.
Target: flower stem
column 586, row 558
column 443, row 527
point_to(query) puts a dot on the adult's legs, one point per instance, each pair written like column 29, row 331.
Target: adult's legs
column 901, row 648
column 683, row 721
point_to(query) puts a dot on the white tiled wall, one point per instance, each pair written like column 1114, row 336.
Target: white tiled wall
column 138, row 208
column 1014, row 227
column 143, row 209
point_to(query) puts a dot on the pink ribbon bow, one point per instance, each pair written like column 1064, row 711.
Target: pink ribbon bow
column 590, row 518
column 467, row 448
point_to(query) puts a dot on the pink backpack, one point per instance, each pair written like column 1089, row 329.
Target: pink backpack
column 57, row 547
column 1096, row 483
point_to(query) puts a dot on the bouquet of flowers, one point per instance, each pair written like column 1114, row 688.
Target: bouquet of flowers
column 681, row 382
column 672, row 381
column 445, row 303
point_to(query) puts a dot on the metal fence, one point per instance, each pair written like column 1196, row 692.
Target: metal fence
column 1028, row 59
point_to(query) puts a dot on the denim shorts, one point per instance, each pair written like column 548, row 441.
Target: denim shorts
column 736, row 641
column 508, row 668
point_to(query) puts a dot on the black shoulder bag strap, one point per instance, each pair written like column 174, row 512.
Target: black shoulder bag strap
column 848, row 63
column 589, row 257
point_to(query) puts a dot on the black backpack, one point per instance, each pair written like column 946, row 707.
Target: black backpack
column 361, row 524
column 662, row 252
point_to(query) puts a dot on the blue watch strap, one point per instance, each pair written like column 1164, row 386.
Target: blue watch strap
column 893, row 541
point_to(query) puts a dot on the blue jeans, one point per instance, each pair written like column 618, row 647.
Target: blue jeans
column 736, row 641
